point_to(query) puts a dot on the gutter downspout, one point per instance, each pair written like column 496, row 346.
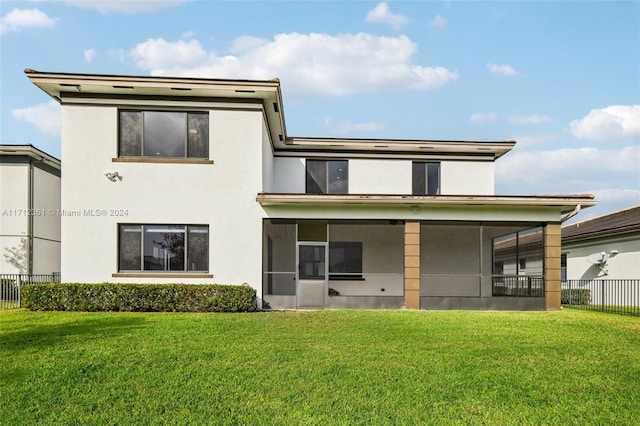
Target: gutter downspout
column 571, row 214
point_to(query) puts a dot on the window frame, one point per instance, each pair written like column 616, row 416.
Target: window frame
column 421, row 184
column 356, row 275
column 187, row 230
column 188, row 113
column 326, row 178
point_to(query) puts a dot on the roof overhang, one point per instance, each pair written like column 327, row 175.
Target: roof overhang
column 31, row 152
column 74, row 88
column 564, row 203
column 64, row 85
column 295, row 145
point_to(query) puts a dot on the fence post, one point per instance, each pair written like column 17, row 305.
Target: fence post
column 19, row 281
column 602, row 295
column 570, row 292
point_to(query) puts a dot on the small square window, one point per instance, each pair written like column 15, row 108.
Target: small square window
column 327, row 177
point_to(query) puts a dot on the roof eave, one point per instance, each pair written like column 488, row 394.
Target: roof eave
column 564, row 202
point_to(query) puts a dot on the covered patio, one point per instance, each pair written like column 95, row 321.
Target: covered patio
column 426, row 256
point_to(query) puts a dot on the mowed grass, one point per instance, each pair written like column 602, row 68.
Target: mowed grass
column 326, row 367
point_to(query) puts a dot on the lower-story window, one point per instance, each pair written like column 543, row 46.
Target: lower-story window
column 171, row 248
column 345, row 260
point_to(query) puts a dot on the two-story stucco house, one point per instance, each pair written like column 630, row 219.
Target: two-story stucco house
column 196, row 180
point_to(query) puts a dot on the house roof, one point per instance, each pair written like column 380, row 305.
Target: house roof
column 619, row 222
column 78, row 88
column 31, row 151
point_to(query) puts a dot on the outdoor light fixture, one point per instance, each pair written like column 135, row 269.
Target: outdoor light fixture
column 113, row 176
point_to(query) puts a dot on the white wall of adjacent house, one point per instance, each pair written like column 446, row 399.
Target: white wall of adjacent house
column 380, row 176
column 623, row 265
column 16, row 211
column 46, row 227
column 14, row 198
column 221, row 195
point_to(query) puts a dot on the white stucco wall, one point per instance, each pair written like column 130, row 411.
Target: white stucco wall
column 289, row 175
column 624, row 265
column 379, row 177
column 467, row 178
column 221, row 195
column 267, row 161
column 15, row 194
column 46, row 228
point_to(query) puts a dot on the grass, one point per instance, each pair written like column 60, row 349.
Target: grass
column 325, row 367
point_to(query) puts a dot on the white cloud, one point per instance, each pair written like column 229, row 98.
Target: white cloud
column 18, row 19
column 482, row 118
column 158, row 53
column 381, row 13
column 527, row 141
column 610, row 124
column 122, row 6
column 349, row 127
column 529, row 119
column 569, row 169
column 309, row 65
column 45, row 117
column 504, row 69
column 247, row 43
column 89, row 54
column 438, row 22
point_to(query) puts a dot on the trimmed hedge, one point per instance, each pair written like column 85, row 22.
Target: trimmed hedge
column 138, row 297
column 578, row 296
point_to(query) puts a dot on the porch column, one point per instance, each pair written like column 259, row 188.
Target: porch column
column 552, row 249
column 412, row 264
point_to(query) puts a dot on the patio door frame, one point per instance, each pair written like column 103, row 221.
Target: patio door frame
column 324, row 245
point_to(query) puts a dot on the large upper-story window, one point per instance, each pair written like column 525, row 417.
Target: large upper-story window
column 170, row 248
column 327, row 177
column 163, row 134
column 426, row 178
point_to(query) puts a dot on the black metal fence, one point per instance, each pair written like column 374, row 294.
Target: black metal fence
column 10, row 285
column 613, row 296
column 518, row 285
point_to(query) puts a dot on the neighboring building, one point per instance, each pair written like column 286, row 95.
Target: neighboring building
column 196, row 180
column 29, row 207
column 605, row 247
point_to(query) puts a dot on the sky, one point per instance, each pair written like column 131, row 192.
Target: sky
column 562, row 78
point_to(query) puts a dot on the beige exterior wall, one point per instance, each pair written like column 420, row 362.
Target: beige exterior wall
column 412, row 255
column 552, row 266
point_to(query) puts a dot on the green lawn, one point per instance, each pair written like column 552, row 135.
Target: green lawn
column 326, row 367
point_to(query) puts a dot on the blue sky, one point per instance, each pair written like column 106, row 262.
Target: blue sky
column 561, row 78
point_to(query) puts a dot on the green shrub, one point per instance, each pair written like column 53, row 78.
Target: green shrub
column 138, row 297
column 575, row 296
